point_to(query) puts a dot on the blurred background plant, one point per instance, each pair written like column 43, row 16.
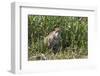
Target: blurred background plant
column 74, row 36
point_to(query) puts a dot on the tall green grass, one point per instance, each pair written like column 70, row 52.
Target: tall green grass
column 74, row 36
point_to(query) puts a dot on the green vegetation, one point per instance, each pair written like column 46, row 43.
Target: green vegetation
column 74, row 36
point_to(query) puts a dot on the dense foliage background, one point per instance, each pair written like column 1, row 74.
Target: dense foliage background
column 74, row 36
